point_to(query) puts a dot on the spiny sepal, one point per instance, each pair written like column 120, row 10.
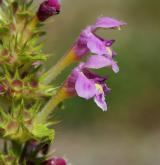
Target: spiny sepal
column 43, row 132
column 8, row 159
column 20, row 125
column 28, row 88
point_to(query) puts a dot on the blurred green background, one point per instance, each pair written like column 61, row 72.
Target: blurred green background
column 129, row 133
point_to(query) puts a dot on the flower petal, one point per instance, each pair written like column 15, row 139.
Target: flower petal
column 69, row 84
column 84, row 87
column 95, row 77
column 96, row 46
column 80, row 46
column 96, row 62
column 115, row 67
column 107, row 22
column 100, row 101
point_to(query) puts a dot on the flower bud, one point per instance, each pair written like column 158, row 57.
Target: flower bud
column 34, row 84
column 55, row 161
column 47, row 9
column 17, row 83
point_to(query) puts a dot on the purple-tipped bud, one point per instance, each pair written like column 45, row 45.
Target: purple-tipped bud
column 17, row 83
column 47, row 9
column 34, row 84
column 55, row 161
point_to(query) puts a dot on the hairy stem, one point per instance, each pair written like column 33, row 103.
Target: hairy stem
column 53, row 72
column 52, row 103
column 5, row 147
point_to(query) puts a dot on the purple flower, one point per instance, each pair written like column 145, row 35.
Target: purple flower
column 107, row 22
column 87, row 84
column 97, row 62
column 55, row 161
column 48, row 8
column 88, row 41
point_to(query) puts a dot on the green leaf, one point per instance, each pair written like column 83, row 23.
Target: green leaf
column 41, row 131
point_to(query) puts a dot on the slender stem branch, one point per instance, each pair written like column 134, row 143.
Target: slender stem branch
column 53, row 72
column 22, row 156
column 52, row 103
column 5, row 147
column 17, row 148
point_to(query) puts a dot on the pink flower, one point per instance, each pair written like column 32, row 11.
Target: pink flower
column 88, row 41
column 87, row 85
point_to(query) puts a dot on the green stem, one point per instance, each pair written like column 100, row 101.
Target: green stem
column 16, row 148
column 5, row 148
column 53, row 72
column 52, row 103
column 23, row 153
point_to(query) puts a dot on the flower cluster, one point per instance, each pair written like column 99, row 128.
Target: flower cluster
column 27, row 94
column 88, row 41
column 82, row 81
